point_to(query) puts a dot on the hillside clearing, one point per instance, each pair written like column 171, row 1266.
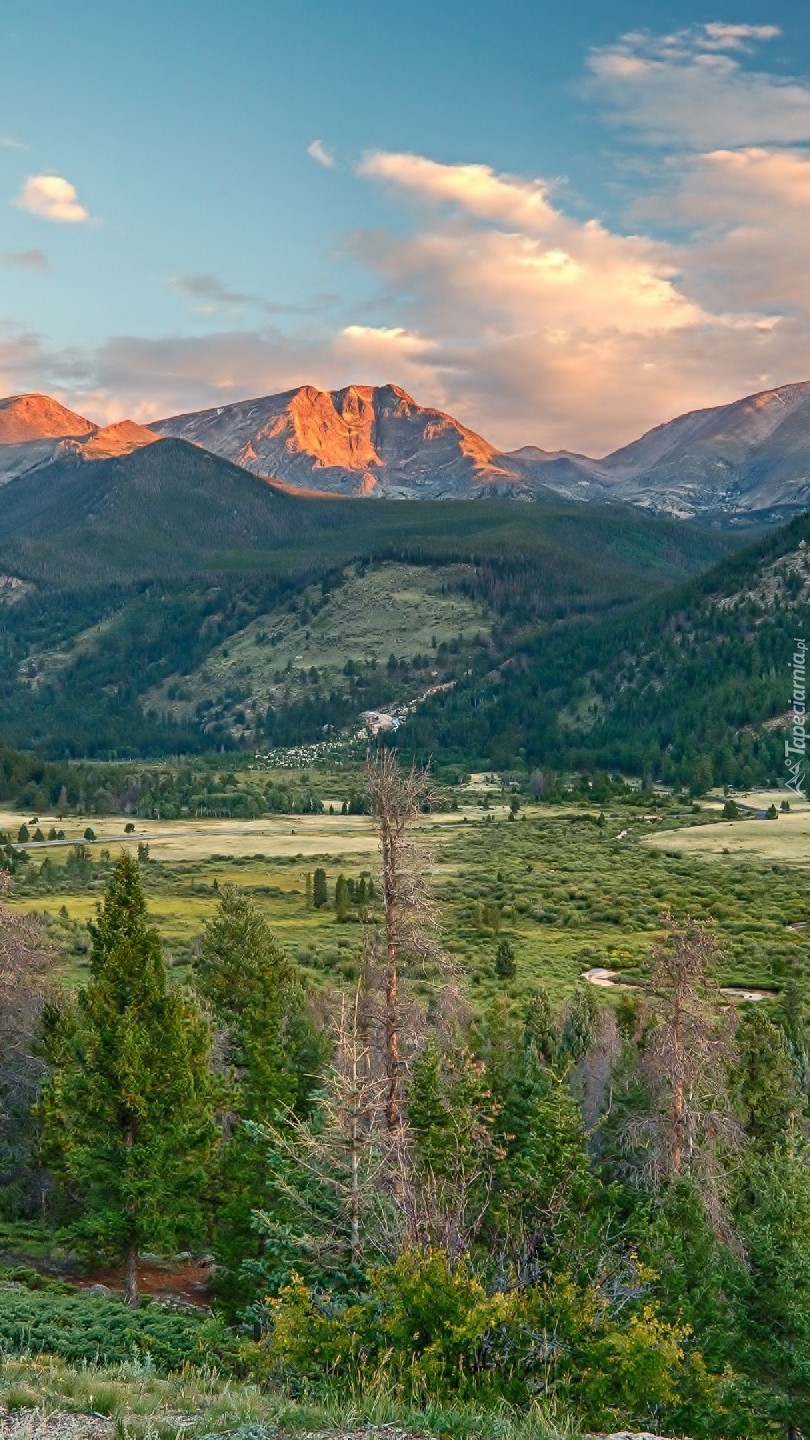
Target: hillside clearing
column 389, row 609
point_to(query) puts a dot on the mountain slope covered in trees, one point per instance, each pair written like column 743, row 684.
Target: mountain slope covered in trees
column 169, row 601
column 692, row 687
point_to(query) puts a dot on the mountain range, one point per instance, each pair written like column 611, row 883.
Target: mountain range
column 158, row 598
column 36, row 431
column 743, row 463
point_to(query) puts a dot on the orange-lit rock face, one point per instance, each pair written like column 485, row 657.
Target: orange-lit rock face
column 335, row 429
column 35, row 431
column 37, row 417
column 362, row 440
column 118, row 439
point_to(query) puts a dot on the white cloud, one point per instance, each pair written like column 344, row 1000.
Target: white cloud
column 690, row 88
column 476, row 189
column 548, row 327
column 717, row 36
column 319, row 153
column 746, row 214
column 9, row 143
column 52, row 198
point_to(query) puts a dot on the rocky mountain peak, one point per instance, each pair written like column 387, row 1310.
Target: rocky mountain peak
column 38, row 417
column 359, row 440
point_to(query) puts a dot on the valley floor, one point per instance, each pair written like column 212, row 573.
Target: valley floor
column 574, row 887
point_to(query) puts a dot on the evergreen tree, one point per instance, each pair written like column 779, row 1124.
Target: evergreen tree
column 764, row 1080
column 773, row 1298
column 544, row 1185
column 320, row 890
column 342, row 898
column 579, row 1023
column 127, row 1110
column 505, row 963
column 271, row 1055
column 539, row 1028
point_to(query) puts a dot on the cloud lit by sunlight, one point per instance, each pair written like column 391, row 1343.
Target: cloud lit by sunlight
column 52, row 198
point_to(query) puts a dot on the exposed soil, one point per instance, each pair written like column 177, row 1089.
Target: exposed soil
column 611, row 980
column 184, row 1281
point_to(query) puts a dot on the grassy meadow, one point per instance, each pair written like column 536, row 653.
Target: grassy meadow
column 572, row 887
column 786, row 841
column 390, row 609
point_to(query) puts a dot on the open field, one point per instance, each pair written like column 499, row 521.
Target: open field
column 573, row 889
column 283, row 836
column 785, row 841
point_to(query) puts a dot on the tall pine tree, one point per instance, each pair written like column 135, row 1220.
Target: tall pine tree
column 127, row 1110
column 271, row 1056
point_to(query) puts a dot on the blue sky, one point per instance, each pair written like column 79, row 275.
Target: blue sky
column 561, row 222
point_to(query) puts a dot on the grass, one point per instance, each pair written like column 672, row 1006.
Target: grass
column 196, row 1404
column 404, row 610
column 559, row 883
column 786, row 840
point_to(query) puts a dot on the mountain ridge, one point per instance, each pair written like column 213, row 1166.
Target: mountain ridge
column 743, row 463
column 719, row 461
column 359, row 440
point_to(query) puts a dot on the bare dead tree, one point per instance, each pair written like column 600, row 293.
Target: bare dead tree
column 398, row 797
column 343, row 1154
column 688, row 1048
column 356, row 1154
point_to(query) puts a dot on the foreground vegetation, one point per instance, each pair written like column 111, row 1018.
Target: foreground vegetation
column 203, row 1405
column 445, row 1181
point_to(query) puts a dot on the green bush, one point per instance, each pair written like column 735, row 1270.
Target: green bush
column 80, row 1329
column 429, row 1329
column 32, row 1279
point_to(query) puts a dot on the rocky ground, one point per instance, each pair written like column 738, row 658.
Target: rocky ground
column 63, row 1425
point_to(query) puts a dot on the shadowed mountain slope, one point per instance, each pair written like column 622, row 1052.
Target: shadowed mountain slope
column 741, row 462
column 691, row 687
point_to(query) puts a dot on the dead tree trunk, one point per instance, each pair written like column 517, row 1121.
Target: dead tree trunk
column 131, row 1277
column 390, row 863
column 687, row 1055
column 397, row 798
column 678, row 1086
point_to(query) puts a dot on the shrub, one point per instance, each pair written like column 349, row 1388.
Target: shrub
column 429, row 1328
column 81, row 1329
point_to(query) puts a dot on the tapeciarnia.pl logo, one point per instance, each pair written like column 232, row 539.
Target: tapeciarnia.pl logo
column 796, row 741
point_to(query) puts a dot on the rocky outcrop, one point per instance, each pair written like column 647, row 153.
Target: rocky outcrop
column 37, row 417
column 362, row 440
column 35, row 431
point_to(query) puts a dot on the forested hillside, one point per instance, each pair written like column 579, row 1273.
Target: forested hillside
column 691, row 687
column 167, row 601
